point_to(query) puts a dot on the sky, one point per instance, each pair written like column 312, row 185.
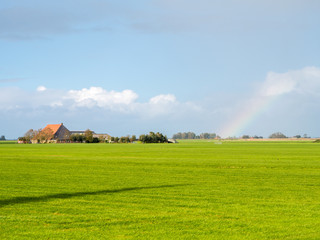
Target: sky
column 129, row 67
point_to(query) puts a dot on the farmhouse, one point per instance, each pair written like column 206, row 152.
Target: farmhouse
column 59, row 132
column 62, row 134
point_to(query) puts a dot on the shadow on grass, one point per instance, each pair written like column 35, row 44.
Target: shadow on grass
column 19, row 200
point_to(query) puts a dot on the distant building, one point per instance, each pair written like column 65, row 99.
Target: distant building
column 103, row 136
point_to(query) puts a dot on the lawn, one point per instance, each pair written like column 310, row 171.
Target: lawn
column 190, row 190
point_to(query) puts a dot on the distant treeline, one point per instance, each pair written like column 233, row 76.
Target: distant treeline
column 192, row 135
column 144, row 138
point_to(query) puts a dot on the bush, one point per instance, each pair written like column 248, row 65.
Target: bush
column 153, row 138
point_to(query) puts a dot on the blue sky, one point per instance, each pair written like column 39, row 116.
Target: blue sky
column 130, row 67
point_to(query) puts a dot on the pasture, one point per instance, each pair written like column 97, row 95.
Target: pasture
column 190, row 190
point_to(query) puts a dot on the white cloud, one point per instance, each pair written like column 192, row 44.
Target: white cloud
column 163, row 99
column 97, row 96
column 277, row 84
column 306, row 80
column 41, row 88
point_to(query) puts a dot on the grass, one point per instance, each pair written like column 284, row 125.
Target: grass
column 8, row 142
column 190, row 190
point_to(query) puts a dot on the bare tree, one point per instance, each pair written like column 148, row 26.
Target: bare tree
column 45, row 135
column 29, row 135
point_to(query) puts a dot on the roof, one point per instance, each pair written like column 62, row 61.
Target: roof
column 77, row 132
column 53, row 127
column 80, row 132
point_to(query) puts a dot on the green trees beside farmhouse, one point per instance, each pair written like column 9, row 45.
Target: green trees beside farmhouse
column 88, row 136
column 77, row 138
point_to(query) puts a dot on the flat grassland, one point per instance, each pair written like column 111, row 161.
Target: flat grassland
column 190, row 190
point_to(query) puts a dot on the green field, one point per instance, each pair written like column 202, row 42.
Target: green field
column 190, row 190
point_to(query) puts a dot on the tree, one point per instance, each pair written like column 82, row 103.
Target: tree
column 191, row 135
column 133, row 138
column 204, row 135
column 184, row 135
column 80, row 138
column 153, row 138
column 2, row 138
column 77, row 138
column 73, row 137
column 257, row 137
column 177, row 136
column 45, row 135
column 22, row 139
column 30, row 135
column 101, row 139
column 142, row 138
column 277, row 135
column 36, row 136
column 245, row 136
column 88, row 136
column 212, row 135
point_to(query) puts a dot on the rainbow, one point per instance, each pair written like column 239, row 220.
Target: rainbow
column 246, row 116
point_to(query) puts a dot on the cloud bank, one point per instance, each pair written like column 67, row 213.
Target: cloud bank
column 287, row 102
column 125, row 101
column 97, row 96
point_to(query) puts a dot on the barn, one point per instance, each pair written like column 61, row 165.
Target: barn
column 59, row 131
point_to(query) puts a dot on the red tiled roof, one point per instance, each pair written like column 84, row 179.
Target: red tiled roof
column 53, row 127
